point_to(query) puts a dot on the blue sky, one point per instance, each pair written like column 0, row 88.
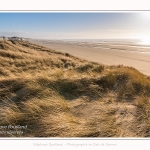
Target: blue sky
column 69, row 25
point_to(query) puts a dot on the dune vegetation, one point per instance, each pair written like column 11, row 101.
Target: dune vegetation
column 55, row 94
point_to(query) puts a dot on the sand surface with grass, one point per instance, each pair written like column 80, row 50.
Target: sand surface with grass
column 127, row 53
column 55, row 94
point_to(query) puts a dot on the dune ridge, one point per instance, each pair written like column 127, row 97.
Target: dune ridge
column 56, row 94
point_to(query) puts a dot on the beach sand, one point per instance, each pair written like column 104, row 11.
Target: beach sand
column 105, row 52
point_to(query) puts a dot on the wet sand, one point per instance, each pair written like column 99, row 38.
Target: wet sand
column 106, row 52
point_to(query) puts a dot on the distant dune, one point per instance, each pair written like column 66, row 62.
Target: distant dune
column 48, row 93
column 108, row 52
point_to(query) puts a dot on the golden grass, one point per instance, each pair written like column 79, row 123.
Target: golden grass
column 58, row 95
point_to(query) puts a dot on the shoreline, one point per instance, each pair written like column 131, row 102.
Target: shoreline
column 108, row 53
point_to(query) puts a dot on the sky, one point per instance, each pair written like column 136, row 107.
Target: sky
column 76, row 25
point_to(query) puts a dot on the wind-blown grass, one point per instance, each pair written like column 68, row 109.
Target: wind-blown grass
column 58, row 95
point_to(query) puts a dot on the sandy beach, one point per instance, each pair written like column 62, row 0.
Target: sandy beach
column 106, row 52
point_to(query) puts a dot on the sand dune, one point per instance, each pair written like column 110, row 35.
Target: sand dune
column 106, row 52
column 54, row 94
